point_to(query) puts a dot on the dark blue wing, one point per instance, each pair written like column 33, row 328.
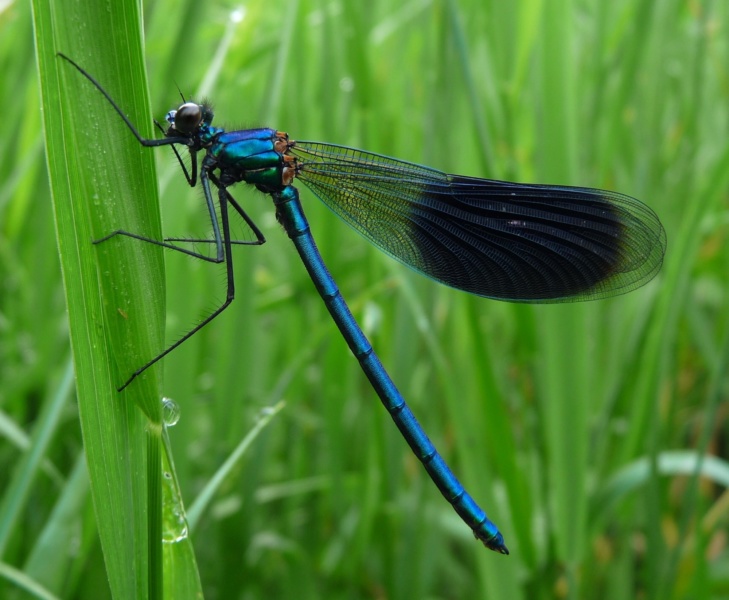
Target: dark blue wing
column 509, row 241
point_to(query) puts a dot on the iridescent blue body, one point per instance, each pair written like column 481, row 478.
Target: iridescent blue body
column 510, row 241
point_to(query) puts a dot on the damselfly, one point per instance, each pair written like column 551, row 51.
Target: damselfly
column 501, row 240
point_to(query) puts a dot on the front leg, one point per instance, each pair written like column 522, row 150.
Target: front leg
column 147, row 143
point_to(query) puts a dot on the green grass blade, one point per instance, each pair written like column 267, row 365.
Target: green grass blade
column 101, row 181
column 206, row 494
column 53, row 562
column 22, row 581
column 15, row 495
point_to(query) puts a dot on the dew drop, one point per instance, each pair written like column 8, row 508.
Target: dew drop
column 170, row 412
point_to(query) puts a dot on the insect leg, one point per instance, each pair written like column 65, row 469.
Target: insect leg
column 224, row 254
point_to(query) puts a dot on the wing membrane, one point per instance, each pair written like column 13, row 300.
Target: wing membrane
column 509, row 241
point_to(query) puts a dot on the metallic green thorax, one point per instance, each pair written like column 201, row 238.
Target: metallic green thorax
column 254, row 156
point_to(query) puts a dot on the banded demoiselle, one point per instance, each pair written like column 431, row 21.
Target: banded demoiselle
column 506, row 241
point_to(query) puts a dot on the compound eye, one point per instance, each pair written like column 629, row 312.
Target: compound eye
column 187, row 118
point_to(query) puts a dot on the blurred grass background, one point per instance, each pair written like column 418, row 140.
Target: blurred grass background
column 577, row 427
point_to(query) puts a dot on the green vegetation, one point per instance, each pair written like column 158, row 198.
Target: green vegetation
column 578, row 427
